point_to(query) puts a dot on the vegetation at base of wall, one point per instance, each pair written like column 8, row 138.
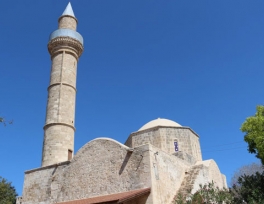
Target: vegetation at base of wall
column 7, row 192
column 206, row 194
column 253, row 128
column 250, row 189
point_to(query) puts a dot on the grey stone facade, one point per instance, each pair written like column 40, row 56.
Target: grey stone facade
column 164, row 138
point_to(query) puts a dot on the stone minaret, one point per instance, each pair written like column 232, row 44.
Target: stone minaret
column 65, row 47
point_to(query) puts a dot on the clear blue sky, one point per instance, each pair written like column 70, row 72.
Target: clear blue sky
column 199, row 63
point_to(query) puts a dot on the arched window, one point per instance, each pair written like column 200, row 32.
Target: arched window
column 176, row 147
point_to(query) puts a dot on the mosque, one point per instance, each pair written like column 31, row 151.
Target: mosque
column 158, row 161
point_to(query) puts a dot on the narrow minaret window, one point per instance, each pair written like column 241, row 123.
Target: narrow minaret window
column 69, row 154
column 65, row 47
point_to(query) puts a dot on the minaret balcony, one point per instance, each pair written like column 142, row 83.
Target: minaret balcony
column 64, row 32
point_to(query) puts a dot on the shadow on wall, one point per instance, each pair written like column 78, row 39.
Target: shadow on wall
column 123, row 166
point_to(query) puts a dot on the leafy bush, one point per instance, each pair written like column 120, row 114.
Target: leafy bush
column 206, row 194
column 250, row 189
column 7, row 192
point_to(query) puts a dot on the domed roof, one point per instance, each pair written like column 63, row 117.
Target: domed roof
column 160, row 122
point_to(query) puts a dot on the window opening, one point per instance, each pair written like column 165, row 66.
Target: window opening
column 69, row 154
column 176, row 148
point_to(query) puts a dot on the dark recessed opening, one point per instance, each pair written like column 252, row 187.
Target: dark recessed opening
column 69, row 154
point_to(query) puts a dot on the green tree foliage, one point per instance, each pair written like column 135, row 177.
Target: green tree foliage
column 250, row 189
column 254, row 129
column 7, row 192
column 206, row 194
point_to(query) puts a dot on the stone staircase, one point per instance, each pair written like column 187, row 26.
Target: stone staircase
column 188, row 182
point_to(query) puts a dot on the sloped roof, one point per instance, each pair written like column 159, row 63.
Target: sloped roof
column 115, row 198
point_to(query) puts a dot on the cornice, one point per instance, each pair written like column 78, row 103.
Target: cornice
column 67, row 42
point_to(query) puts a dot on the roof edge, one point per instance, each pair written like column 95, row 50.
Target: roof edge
column 47, row 167
column 112, row 197
column 136, row 195
column 161, row 126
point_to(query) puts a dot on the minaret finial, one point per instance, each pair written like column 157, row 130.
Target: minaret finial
column 68, row 11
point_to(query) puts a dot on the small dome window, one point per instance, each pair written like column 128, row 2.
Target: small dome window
column 176, row 146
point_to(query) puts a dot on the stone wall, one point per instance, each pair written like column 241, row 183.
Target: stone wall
column 38, row 183
column 188, row 182
column 101, row 167
column 164, row 138
column 224, row 181
column 19, row 200
column 208, row 172
column 167, row 173
column 150, row 136
column 60, row 114
column 186, row 158
column 58, row 140
column 202, row 173
column 68, row 22
column 104, row 166
column 195, row 146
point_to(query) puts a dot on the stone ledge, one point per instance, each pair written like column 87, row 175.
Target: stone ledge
column 47, row 167
column 65, row 124
column 62, row 83
column 157, row 127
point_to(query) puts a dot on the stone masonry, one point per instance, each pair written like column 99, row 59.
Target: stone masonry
column 105, row 166
column 59, row 128
column 101, row 167
column 164, row 137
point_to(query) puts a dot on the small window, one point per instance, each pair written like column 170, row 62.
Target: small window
column 69, row 154
column 176, row 148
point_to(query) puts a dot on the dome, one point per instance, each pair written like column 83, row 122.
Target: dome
column 160, row 122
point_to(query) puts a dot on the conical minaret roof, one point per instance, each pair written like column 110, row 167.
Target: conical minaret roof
column 68, row 11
